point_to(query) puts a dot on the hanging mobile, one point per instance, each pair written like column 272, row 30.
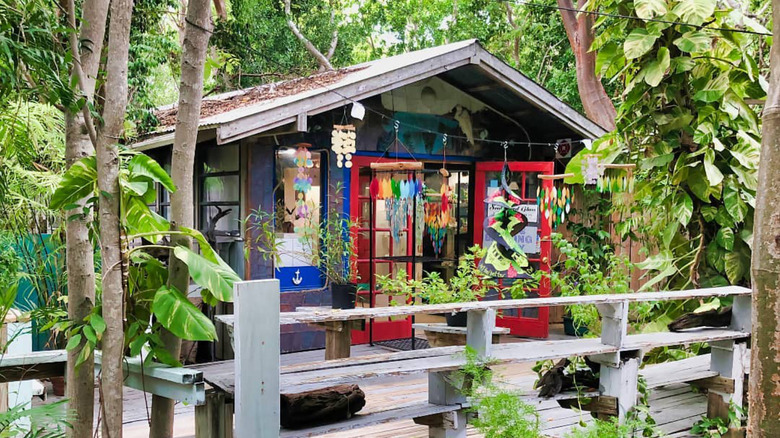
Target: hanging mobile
column 343, row 144
column 557, row 206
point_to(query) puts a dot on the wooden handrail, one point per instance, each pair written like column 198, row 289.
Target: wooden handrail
column 381, row 312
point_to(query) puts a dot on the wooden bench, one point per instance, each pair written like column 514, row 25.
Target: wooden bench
column 257, row 379
column 439, row 334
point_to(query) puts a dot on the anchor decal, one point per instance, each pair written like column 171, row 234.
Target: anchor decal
column 297, row 279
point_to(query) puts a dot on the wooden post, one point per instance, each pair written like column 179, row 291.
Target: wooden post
column 257, row 358
column 479, row 331
column 338, row 339
column 614, row 326
column 621, row 382
column 441, row 392
column 215, row 418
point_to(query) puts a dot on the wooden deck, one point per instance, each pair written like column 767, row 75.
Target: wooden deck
column 674, row 407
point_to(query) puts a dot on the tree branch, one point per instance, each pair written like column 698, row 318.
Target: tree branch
column 79, row 73
column 321, row 59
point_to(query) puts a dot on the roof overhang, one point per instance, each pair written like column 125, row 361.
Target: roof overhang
column 377, row 77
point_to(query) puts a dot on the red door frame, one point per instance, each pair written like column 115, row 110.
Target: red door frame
column 520, row 325
column 375, row 330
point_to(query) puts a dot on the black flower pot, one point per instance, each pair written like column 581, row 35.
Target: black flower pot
column 570, row 330
column 344, row 295
column 457, row 319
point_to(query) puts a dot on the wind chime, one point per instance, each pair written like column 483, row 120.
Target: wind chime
column 437, row 212
column 343, row 144
column 555, row 203
column 302, row 181
column 400, row 186
column 608, row 177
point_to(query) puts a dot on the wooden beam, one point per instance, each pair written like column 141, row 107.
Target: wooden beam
column 302, row 122
column 34, row 365
column 399, row 165
column 715, row 383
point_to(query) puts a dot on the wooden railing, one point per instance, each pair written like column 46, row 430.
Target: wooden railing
column 258, row 378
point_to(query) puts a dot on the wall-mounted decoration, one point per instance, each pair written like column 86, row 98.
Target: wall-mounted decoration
column 343, row 144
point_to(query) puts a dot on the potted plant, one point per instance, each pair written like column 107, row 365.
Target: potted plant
column 336, row 257
column 468, row 284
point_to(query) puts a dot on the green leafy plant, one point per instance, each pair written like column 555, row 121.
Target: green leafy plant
column 468, row 284
column 500, row 413
column 718, row 427
column 148, row 293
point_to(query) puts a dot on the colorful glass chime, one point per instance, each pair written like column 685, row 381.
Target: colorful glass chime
column 555, row 203
column 437, row 216
column 400, row 197
column 343, row 144
column 616, row 182
column 302, row 181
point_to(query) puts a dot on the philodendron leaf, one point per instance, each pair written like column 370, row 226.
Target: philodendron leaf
column 646, row 9
column 638, row 42
column 77, row 183
column 714, row 90
column 182, row 318
column 207, row 274
column 694, row 12
column 655, row 70
column 683, row 209
column 143, row 165
column 693, row 41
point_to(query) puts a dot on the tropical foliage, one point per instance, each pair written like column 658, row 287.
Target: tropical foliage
column 148, row 291
column 686, row 117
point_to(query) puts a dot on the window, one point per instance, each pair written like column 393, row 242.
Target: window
column 219, row 185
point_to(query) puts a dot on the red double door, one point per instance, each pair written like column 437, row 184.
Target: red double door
column 378, row 253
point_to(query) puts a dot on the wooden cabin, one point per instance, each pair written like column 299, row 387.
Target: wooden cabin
column 400, row 108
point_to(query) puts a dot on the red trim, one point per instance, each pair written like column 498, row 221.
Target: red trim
column 519, row 325
column 382, row 330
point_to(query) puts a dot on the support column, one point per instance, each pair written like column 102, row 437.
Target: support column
column 257, row 349
column 621, row 382
column 215, row 418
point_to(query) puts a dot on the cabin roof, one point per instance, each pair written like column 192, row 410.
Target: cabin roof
column 466, row 64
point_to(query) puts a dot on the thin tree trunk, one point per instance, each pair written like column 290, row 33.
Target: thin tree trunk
column 579, row 29
column 515, row 38
column 79, row 260
column 764, row 382
column 108, row 182
column 197, row 31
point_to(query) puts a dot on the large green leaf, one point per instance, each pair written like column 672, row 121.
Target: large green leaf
column 683, row 209
column 182, row 318
column 646, row 9
column 714, row 90
column 693, row 41
column 747, row 151
column 715, row 256
column 78, row 182
column 733, row 201
column 694, row 11
column 725, row 238
column 638, row 42
column 655, row 70
column 143, row 165
column 208, row 275
column 139, row 218
column 737, row 263
column 700, row 186
column 714, row 175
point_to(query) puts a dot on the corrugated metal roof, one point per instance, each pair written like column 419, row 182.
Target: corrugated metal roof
column 264, row 108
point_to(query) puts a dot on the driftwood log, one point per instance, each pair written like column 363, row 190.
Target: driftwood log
column 320, row 406
column 710, row 318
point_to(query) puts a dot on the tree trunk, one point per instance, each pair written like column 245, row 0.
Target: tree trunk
column 79, row 257
column 110, row 241
column 193, row 59
column 579, row 29
column 326, row 405
column 764, row 381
